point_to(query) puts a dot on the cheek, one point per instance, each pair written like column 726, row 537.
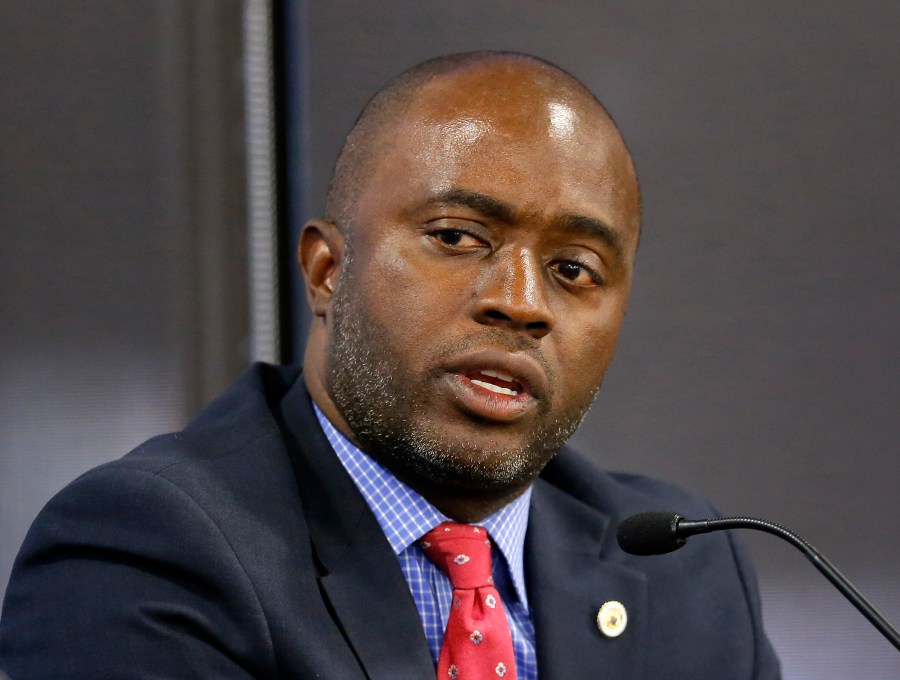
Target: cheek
column 408, row 295
column 586, row 348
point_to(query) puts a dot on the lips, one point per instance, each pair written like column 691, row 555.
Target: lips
column 495, row 385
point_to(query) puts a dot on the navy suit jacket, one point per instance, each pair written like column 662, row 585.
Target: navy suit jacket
column 239, row 548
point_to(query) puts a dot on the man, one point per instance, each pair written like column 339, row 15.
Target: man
column 467, row 286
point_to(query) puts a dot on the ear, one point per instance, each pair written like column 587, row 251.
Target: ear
column 320, row 253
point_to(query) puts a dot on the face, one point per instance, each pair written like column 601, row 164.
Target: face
column 484, row 282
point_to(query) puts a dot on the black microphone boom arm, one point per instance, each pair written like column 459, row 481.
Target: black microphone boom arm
column 653, row 533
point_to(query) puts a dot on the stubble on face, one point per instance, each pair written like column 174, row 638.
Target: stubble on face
column 385, row 404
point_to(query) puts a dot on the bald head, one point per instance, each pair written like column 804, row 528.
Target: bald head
column 515, row 80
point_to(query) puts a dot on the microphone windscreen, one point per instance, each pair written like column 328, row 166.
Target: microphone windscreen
column 649, row 533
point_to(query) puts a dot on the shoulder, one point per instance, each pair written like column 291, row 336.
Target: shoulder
column 706, row 590
column 188, row 522
column 233, row 441
column 243, row 415
column 232, row 456
column 618, row 494
column 192, row 482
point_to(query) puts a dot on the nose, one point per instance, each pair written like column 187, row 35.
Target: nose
column 512, row 293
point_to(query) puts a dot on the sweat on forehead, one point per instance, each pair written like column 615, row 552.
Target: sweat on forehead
column 477, row 75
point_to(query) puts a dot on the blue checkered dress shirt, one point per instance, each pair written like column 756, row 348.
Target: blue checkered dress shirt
column 405, row 517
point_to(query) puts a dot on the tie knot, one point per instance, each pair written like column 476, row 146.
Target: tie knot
column 462, row 552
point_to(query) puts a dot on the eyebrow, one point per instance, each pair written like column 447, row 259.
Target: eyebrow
column 591, row 226
column 480, row 203
column 500, row 210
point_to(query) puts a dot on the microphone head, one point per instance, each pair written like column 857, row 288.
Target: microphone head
column 650, row 533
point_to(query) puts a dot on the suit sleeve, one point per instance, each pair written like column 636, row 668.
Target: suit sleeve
column 123, row 575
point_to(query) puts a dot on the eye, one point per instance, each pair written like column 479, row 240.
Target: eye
column 576, row 273
column 457, row 239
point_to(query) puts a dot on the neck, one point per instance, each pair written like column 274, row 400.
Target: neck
column 462, row 505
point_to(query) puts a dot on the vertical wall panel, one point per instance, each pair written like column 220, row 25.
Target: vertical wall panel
column 123, row 249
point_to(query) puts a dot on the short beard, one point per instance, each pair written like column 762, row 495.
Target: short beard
column 380, row 401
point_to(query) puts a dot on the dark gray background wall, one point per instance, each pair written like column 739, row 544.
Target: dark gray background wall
column 123, row 274
column 760, row 362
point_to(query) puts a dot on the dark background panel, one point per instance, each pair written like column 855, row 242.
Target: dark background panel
column 123, row 274
column 759, row 361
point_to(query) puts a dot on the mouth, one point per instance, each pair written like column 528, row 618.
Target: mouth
column 495, row 385
column 496, row 382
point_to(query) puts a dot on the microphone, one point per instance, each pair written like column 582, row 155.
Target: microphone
column 657, row 533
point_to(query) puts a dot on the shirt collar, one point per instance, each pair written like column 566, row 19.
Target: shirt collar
column 404, row 515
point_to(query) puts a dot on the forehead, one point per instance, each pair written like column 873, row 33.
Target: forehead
column 514, row 132
column 513, row 102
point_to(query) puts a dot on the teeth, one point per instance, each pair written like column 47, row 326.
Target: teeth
column 499, row 374
column 492, row 387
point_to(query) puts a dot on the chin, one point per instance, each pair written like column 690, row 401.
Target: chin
column 469, row 464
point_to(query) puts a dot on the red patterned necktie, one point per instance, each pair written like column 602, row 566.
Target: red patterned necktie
column 477, row 642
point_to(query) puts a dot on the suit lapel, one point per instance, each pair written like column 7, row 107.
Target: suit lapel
column 568, row 581
column 360, row 575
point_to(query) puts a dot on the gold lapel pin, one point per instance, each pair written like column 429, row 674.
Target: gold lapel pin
column 612, row 619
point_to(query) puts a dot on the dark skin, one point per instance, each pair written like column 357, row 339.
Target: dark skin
column 493, row 247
